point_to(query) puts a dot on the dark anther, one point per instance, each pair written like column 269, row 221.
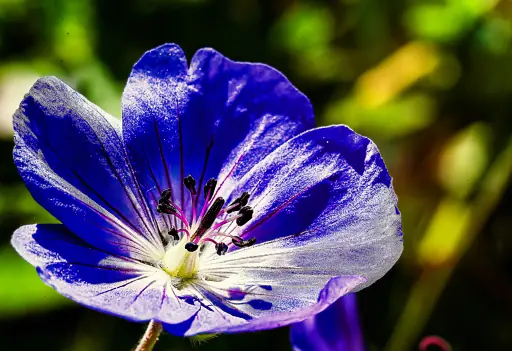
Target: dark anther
column 191, row 247
column 238, row 241
column 174, row 233
column 239, row 202
column 190, row 184
column 165, row 195
column 163, row 204
column 209, row 188
column 166, row 208
column 246, row 215
column 209, row 217
column 221, row 248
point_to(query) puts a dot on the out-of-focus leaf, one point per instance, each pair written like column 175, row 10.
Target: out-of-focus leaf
column 99, row 87
column 397, row 118
column 436, row 22
column 21, row 290
column 73, row 33
column 464, row 159
column 306, row 27
column 445, row 233
column 495, row 35
column 16, row 78
column 447, row 21
column 17, row 201
column 12, row 7
column 447, row 73
column 399, row 71
column 306, row 32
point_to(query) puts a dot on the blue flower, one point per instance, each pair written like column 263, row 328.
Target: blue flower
column 335, row 329
column 212, row 207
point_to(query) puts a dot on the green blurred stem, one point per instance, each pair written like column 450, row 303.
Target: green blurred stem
column 150, row 337
column 430, row 285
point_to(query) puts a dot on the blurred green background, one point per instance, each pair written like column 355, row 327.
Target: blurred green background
column 430, row 81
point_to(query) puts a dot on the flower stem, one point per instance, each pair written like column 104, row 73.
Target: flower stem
column 150, row 337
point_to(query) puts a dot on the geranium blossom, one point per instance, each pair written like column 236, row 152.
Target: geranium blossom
column 213, row 206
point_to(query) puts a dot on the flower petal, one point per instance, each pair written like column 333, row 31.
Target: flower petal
column 113, row 284
column 335, row 329
column 325, row 220
column 324, row 201
column 246, row 307
column 152, row 104
column 71, row 157
column 219, row 116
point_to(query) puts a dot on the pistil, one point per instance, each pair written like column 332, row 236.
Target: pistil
column 208, row 219
column 179, row 262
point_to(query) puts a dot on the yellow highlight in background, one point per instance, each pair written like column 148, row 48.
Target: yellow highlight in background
column 446, row 233
column 395, row 74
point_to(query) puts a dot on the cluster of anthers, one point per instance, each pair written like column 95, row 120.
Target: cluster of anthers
column 213, row 222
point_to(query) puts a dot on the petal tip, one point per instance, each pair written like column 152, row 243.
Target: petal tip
column 162, row 61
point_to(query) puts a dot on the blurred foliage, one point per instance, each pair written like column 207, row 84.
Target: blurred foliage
column 429, row 81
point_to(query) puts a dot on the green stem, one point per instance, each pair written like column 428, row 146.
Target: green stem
column 150, row 337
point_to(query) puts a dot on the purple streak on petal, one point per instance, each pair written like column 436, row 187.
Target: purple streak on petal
column 335, row 288
column 142, row 290
column 222, row 305
column 207, row 116
column 240, row 104
column 164, row 295
column 162, row 157
column 110, row 284
column 335, row 329
column 68, row 152
column 274, row 212
column 150, row 117
column 327, row 187
column 117, row 287
column 182, row 163
column 203, row 171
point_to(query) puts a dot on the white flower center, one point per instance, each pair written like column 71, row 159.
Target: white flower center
column 180, row 263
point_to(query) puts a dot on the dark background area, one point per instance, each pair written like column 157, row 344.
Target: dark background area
column 429, row 81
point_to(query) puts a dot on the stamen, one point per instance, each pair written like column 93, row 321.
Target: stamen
column 225, row 221
column 238, row 241
column 213, row 211
column 209, row 218
column 167, row 208
column 171, row 210
column 221, row 249
column 190, row 184
column 185, row 231
column 209, row 189
column 246, row 213
column 191, row 247
column 174, row 234
column 165, row 195
column 240, row 202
